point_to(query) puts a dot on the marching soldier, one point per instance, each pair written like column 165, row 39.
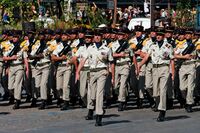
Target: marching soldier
column 185, row 53
column 62, row 58
column 85, row 90
column 29, row 40
column 149, row 68
column 15, row 56
column 98, row 56
column 40, row 69
column 161, row 54
column 6, row 40
column 123, row 55
column 137, row 44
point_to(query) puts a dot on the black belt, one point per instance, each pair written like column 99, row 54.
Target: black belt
column 188, row 63
column 97, row 69
column 159, row 65
column 17, row 64
column 43, row 64
column 122, row 63
column 85, row 69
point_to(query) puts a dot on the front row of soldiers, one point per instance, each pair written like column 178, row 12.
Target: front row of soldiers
column 104, row 64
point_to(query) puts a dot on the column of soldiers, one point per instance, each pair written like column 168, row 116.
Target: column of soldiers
column 101, row 67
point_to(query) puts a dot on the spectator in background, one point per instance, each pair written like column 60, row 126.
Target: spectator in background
column 6, row 18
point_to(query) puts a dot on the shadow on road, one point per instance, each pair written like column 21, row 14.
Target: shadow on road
column 115, row 122
column 111, row 115
column 4, row 113
column 170, row 118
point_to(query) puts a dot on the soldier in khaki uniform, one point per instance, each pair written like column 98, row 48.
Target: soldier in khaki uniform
column 84, row 86
column 185, row 53
column 136, row 43
column 16, row 56
column 149, row 67
column 40, row 69
column 123, row 55
column 4, row 42
column 197, row 85
column 162, row 56
column 98, row 56
column 62, row 58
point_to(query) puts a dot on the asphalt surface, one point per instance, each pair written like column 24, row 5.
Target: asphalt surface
column 52, row 120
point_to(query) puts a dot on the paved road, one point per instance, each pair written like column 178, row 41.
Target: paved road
column 32, row 120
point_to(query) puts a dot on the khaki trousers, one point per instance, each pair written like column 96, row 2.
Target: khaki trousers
column 83, row 85
column 149, row 78
column 160, row 79
column 141, row 82
column 97, row 84
column 15, row 79
column 187, row 76
column 62, row 82
column 39, row 81
column 121, row 78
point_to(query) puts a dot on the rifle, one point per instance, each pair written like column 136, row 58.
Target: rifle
column 140, row 45
column 39, row 50
column 13, row 52
column 122, row 47
column 188, row 50
column 64, row 51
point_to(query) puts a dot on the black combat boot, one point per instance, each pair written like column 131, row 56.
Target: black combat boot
column 121, row 106
column 17, row 103
column 65, row 106
column 59, row 102
column 188, row 108
column 151, row 100
column 98, row 120
column 49, row 100
column 43, row 105
column 157, row 99
column 139, row 103
column 11, row 99
column 161, row 116
column 90, row 115
column 28, row 98
column 170, row 104
column 33, row 102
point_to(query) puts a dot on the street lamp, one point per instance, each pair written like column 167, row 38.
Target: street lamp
column 152, row 5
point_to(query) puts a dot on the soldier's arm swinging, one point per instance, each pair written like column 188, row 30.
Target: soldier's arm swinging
column 144, row 60
column 27, row 67
column 7, row 58
column 55, row 58
column 80, row 66
column 136, row 65
column 172, row 68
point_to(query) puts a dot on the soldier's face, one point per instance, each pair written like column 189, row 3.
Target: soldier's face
column 112, row 36
column 159, row 38
column 120, row 37
column 73, row 36
column 106, row 35
column 138, row 33
column 97, row 38
column 168, row 35
column 81, row 35
column 88, row 39
column 64, row 37
column 188, row 36
column 181, row 37
column 15, row 39
column 26, row 37
column 41, row 37
column 153, row 34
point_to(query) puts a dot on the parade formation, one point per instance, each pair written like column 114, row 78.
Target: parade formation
column 96, row 68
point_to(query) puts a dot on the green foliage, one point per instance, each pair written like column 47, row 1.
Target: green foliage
column 184, row 17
